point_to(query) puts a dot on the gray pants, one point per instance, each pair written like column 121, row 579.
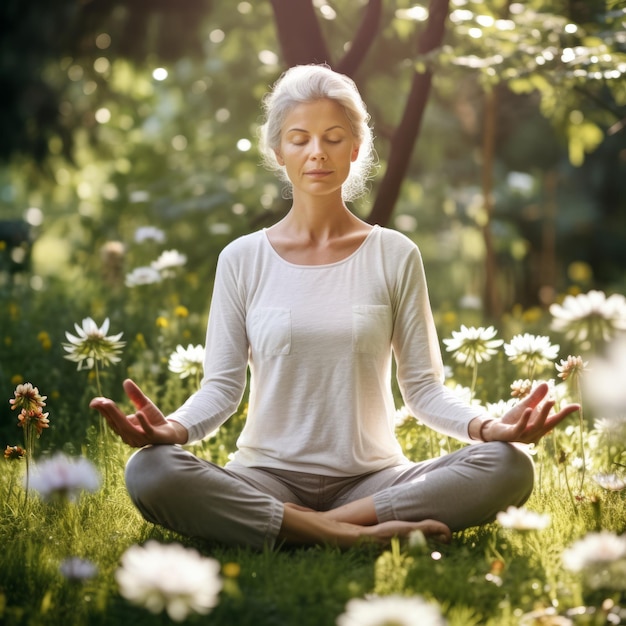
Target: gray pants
column 240, row 505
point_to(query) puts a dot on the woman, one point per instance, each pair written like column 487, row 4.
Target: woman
column 315, row 306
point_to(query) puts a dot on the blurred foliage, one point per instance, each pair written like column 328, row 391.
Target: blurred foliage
column 119, row 116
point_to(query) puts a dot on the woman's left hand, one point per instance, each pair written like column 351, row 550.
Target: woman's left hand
column 528, row 421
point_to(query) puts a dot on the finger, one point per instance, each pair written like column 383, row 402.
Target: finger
column 146, row 426
column 537, row 395
column 542, row 414
column 135, row 394
column 117, row 420
column 512, row 431
column 557, row 418
column 104, row 406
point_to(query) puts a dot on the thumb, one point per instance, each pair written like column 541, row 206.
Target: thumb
column 136, row 396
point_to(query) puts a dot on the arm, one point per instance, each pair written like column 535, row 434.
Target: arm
column 226, row 355
column 420, row 375
column 222, row 386
column 417, row 352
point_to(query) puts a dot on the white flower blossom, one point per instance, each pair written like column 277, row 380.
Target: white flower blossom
column 63, row 477
column 471, row 346
column 401, row 416
column 168, row 260
column 534, row 350
column 590, row 317
column 523, row 519
column 464, row 394
column 390, row 610
column 610, row 482
column 169, row 577
column 92, row 344
column 500, row 408
column 144, row 275
column 187, row 361
column 595, row 549
column 149, row 233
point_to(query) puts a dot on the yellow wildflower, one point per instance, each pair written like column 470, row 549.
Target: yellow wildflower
column 44, row 340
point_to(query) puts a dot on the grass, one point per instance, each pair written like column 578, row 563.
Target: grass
column 489, row 576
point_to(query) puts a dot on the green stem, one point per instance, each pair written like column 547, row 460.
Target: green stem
column 103, row 430
column 29, row 445
column 98, row 386
column 581, row 424
column 474, row 379
column 10, row 489
column 569, row 490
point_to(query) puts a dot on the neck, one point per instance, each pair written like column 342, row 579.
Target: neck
column 319, row 218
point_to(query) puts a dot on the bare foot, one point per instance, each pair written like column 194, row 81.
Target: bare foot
column 386, row 531
column 302, row 526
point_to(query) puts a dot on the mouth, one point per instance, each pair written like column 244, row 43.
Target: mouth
column 318, row 173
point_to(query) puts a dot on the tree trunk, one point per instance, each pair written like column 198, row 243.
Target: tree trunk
column 493, row 303
column 362, row 41
column 299, row 33
column 406, row 133
column 301, row 41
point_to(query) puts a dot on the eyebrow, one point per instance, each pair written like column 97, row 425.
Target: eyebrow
column 302, row 130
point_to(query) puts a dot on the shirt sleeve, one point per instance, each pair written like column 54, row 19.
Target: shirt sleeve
column 418, row 355
column 226, row 357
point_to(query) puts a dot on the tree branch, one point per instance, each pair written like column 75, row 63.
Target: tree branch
column 406, row 133
column 299, row 33
column 361, row 43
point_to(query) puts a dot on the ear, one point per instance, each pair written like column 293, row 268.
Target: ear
column 355, row 153
column 279, row 158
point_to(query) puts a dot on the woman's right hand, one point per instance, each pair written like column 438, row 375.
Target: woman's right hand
column 144, row 427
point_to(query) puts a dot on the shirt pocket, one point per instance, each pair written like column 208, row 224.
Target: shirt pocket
column 269, row 331
column 371, row 328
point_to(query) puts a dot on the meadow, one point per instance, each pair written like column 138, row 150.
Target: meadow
column 75, row 551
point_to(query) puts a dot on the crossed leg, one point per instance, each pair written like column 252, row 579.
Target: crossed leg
column 172, row 487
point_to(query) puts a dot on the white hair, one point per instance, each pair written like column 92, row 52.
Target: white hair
column 307, row 83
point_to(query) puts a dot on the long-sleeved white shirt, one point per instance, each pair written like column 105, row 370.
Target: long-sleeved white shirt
column 319, row 341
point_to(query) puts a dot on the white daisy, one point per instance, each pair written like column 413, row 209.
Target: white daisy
column 144, row 275
column 472, row 345
column 523, row 519
column 91, row 344
column 536, row 351
column 187, row 361
column 149, row 233
column 591, row 317
column 168, row 260
column 594, row 549
column 394, row 610
column 169, row 577
column 501, row 407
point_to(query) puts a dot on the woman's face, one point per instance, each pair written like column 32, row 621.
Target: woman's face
column 317, row 146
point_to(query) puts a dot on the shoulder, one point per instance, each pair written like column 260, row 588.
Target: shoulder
column 246, row 246
column 395, row 244
column 396, row 238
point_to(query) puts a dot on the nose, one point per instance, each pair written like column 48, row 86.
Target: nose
column 317, row 150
